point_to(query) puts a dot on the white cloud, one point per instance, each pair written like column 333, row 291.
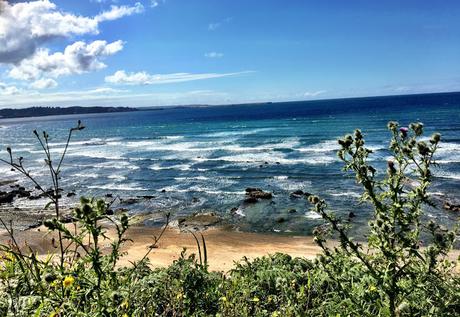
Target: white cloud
column 26, row 26
column 214, row 55
column 77, row 58
column 144, row 78
column 6, row 90
column 309, row 94
column 117, row 12
column 44, row 83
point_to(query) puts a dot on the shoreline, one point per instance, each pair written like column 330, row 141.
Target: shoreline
column 224, row 246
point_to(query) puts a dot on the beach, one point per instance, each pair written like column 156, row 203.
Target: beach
column 224, row 246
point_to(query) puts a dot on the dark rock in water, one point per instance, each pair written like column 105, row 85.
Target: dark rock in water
column 71, row 194
column 129, row 201
column 351, row 214
column 109, row 195
column 7, row 198
column 163, row 190
column 280, row 219
column 299, row 194
column 233, row 210
column 251, row 200
column 451, row 207
column 292, row 211
column 278, row 163
column 148, row 197
column 195, row 200
column 296, row 194
column 266, row 163
column 258, row 193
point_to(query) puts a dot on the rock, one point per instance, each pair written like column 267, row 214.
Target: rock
column 195, row 200
column 280, row 219
column 7, row 198
column 296, row 194
column 451, row 207
column 163, row 190
column 109, row 195
column 147, row 197
column 199, row 221
column 351, row 215
column 251, row 200
column 258, row 193
column 129, row 201
column 292, row 211
column 71, row 194
column 299, row 194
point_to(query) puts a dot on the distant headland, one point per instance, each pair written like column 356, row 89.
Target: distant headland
column 54, row 111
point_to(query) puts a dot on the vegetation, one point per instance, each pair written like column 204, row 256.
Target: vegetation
column 390, row 275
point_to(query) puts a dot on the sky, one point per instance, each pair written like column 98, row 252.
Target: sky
column 179, row 52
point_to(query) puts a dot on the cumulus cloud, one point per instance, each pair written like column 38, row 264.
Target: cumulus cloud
column 144, row 78
column 7, row 90
column 26, row 26
column 77, row 58
column 44, row 83
column 214, row 55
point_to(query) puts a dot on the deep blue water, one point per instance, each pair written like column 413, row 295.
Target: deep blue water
column 205, row 157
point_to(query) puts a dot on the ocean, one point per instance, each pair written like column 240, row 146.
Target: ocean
column 195, row 159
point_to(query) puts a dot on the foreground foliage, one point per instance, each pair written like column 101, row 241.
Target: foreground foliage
column 391, row 275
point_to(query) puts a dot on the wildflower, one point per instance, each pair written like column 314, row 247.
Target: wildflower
column 223, row 298
column 256, row 299
column 124, row 304
column 68, row 281
column 125, row 315
column 403, row 131
column 54, row 314
column 372, row 288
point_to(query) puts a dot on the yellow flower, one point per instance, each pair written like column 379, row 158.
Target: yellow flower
column 372, row 288
column 256, row 299
column 68, row 281
column 54, row 314
column 125, row 315
column 124, row 304
column 223, row 298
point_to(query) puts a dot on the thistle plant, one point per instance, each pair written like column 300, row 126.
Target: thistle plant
column 395, row 263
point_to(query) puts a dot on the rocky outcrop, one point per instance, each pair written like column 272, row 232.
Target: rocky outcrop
column 198, row 221
column 299, row 194
column 254, row 194
column 451, row 207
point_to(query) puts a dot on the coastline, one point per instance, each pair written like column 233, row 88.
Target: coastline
column 224, row 246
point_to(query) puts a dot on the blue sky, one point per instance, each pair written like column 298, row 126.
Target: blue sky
column 169, row 52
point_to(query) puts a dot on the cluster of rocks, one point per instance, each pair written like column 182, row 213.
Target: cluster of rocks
column 451, row 207
column 198, row 221
column 253, row 195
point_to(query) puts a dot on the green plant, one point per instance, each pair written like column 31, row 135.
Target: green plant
column 393, row 266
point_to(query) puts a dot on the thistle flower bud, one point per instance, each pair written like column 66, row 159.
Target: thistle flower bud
column 403, row 131
column 417, row 128
column 392, row 125
column 391, row 167
column 313, row 199
column 435, row 138
column 422, row 148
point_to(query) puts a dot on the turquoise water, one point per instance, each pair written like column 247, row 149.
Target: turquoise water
column 194, row 159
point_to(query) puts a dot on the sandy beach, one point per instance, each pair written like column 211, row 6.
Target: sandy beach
column 224, row 246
